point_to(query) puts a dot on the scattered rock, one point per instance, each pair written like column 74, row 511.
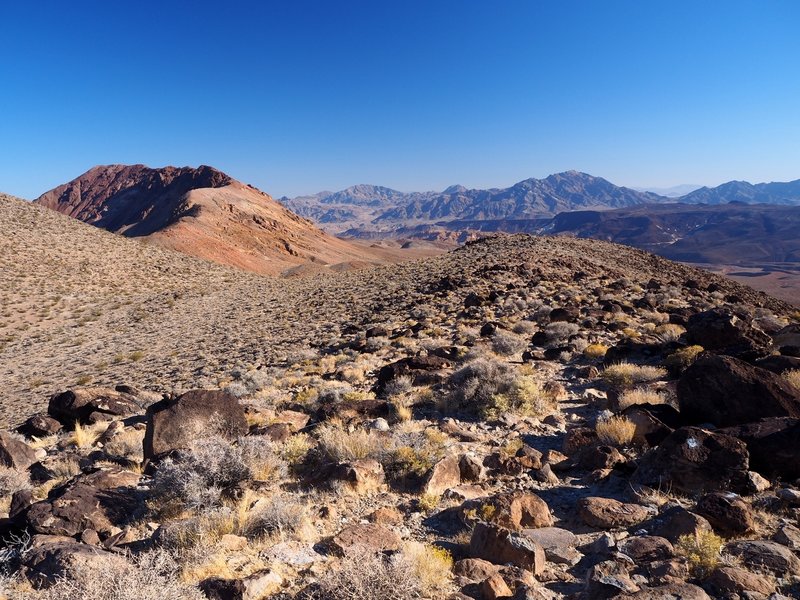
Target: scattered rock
column 15, row 453
column 41, row 425
column 174, row 424
column 769, row 555
column 91, row 404
column 732, row 580
column 495, row 587
column 607, row 513
column 362, row 476
column 443, row 475
column 253, row 587
column 647, row 548
column 368, row 537
column 721, row 330
column 501, row 546
column 48, row 563
column 693, row 460
column 100, row 501
column 727, row 513
column 773, row 445
column 726, row 391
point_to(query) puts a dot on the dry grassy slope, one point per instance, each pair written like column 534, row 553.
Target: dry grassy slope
column 81, row 304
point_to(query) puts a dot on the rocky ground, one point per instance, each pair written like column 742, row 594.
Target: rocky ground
column 520, row 418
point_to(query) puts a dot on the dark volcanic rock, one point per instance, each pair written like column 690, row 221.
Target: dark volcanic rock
column 773, row 444
column 40, row 425
column 500, row 546
column 694, row 460
column 720, row 330
column 419, row 368
column 87, row 405
column 726, row 391
column 100, row 501
column 727, row 513
column 174, row 424
column 46, row 564
column 14, row 453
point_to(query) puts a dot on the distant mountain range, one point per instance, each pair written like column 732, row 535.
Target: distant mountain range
column 362, row 209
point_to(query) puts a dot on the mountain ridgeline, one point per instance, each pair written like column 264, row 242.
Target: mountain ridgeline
column 363, row 208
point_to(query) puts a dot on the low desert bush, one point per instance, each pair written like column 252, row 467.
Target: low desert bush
column 669, row 332
column 683, row 358
column 473, row 385
column 150, row 576
column 398, row 386
column 414, row 454
column 524, row 328
column 617, row 431
column 338, row 445
column 624, row 375
column 277, row 516
column 432, row 567
column 369, row 576
column 595, row 351
column 197, row 477
column 560, row 331
column 526, row 396
column 701, row 551
column 13, row 480
column 507, row 344
column 640, row 395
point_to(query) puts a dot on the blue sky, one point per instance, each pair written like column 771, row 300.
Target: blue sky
column 297, row 96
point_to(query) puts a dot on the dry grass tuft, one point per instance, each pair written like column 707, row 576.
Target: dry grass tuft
column 793, row 377
column 617, row 431
column 595, row 351
column 624, row 375
column 640, row 396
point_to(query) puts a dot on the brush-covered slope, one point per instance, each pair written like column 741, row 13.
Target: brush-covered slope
column 82, row 304
column 202, row 212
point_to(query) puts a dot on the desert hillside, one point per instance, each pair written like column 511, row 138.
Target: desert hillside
column 206, row 213
column 524, row 417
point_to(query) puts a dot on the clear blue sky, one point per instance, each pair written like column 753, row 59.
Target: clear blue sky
column 296, row 96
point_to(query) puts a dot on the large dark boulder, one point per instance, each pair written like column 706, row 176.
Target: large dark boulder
column 773, row 444
column 421, row 369
column 15, row 453
column 693, row 460
column 100, row 501
column 726, row 391
column 176, row 423
column 49, row 563
column 91, row 404
column 723, row 331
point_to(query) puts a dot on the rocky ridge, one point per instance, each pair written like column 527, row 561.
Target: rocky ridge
column 520, row 418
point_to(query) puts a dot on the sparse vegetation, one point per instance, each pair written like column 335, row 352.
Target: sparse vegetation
column 702, row 551
column 624, row 375
column 617, row 430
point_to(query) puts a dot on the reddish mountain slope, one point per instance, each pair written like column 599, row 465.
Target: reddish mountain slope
column 205, row 213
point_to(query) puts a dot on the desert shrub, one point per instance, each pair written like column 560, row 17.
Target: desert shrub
column 669, row 332
column 474, row 384
column 368, row 576
column 432, row 567
column 295, row 450
column 126, row 444
column 640, row 395
column 338, row 445
column 560, row 331
column 262, row 457
column 149, row 576
column 623, row 375
column 524, row 327
column 793, row 377
column 507, row 344
column 683, row 358
column 617, row 431
column 414, row 454
column 277, row 515
column 525, row 396
column 595, row 351
column 701, row 551
column 398, row 385
column 196, row 478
